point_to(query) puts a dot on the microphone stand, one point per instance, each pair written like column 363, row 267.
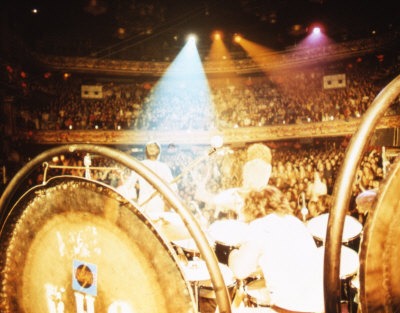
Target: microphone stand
column 304, row 210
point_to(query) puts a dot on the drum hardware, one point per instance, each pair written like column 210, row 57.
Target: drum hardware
column 354, row 287
column 304, row 211
column 182, row 258
column 349, row 266
column 48, row 166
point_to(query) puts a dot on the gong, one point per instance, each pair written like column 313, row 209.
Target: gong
column 380, row 249
column 76, row 245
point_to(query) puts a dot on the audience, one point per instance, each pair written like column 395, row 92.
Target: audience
column 284, row 97
column 295, row 96
column 293, row 172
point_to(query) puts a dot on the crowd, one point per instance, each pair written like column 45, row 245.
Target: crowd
column 280, row 97
column 306, row 176
column 295, row 96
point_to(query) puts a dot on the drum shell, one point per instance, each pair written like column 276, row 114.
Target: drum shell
column 227, row 235
column 207, row 300
column 222, row 251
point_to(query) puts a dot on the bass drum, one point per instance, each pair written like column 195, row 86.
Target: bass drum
column 75, row 245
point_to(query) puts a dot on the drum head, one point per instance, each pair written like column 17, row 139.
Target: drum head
column 351, row 230
column 380, row 249
column 75, row 245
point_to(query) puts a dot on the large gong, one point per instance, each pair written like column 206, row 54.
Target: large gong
column 379, row 275
column 75, row 245
column 380, row 250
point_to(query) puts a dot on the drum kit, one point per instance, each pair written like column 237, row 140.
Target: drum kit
column 223, row 236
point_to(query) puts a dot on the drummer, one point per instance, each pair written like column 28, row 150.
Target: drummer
column 281, row 245
column 256, row 173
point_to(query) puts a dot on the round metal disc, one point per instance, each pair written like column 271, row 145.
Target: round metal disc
column 380, row 249
column 75, row 245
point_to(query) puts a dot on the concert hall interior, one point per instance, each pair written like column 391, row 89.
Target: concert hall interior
column 199, row 156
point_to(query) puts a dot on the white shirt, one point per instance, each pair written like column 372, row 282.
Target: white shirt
column 156, row 204
column 287, row 254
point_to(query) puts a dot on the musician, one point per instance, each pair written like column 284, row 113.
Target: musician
column 280, row 245
column 150, row 204
column 138, row 189
column 257, row 168
column 256, row 173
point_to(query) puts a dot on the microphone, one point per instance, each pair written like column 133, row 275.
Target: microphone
column 304, row 210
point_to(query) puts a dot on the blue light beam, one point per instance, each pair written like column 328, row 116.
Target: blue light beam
column 181, row 100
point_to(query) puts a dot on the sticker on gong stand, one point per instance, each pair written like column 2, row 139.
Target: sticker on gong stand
column 84, row 277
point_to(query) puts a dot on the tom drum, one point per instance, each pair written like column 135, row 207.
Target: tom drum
column 318, row 226
column 227, row 235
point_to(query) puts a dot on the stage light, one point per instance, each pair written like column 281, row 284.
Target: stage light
column 192, row 38
column 184, row 86
column 316, row 30
column 316, row 36
column 217, row 35
column 237, row 38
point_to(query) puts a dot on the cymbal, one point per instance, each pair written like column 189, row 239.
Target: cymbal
column 170, row 225
column 228, row 199
column 229, row 232
column 365, row 199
